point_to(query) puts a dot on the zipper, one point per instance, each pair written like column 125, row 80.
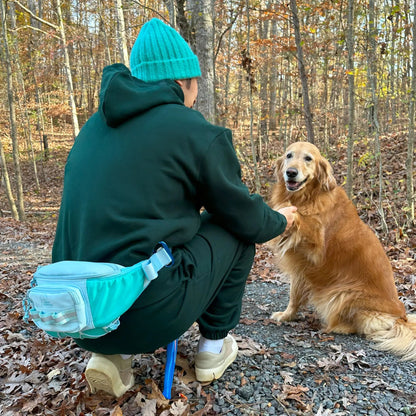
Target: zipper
column 70, row 277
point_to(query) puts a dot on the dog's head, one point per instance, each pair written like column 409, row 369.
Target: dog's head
column 303, row 165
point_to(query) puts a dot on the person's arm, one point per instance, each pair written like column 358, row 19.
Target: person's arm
column 226, row 197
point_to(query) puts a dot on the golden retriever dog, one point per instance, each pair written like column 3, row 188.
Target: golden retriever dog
column 334, row 261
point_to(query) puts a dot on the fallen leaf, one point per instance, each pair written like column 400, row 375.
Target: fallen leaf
column 294, row 393
column 116, row 411
column 147, row 406
column 287, row 377
column 187, row 375
column 179, row 408
column 53, row 373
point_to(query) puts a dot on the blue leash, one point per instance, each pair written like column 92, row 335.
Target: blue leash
column 170, row 368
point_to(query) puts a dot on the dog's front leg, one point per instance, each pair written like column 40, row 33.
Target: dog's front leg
column 298, row 297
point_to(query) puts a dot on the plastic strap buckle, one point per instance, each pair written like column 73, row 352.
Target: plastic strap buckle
column 161, row 258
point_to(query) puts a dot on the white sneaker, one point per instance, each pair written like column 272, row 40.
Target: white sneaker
column 109, row 373
column 210, row 366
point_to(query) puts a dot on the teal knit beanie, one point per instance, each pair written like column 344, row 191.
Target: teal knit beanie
column 161, row 53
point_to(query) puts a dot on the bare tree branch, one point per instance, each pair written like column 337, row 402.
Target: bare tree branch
column 45, row 22
column 151, row 9
column 37, row 29
column 230, row 25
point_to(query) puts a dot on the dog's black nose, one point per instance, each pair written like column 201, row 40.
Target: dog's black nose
column 291, row 172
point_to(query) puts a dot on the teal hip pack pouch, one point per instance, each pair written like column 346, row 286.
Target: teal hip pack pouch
column 82, row 299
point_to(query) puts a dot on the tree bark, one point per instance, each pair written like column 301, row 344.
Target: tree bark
column 372, row 33
column 24, row 100
column 351, row 93
column 202, row 12
column 410, row 191
column 122, row 40
column 12, row 116
column 273, row 83
column 302, row 73
column 250, row 89
column 6, row 182
column 67, row 66
column 170, row 5
column 263, row 94
column 103, row 31
column 393, row 69
column 225, row 114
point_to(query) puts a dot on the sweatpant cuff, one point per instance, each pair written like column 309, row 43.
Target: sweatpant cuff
column 214, row 335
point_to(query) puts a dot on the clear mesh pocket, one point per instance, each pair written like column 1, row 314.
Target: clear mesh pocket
column 58, row 309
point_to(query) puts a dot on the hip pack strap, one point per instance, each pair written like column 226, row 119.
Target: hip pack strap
column 161, row 258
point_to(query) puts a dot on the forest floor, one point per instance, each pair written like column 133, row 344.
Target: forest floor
column 280, row 370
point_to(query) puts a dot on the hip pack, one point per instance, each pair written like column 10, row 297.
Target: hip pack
column 82, row 299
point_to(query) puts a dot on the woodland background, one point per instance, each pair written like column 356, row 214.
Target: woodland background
column 337, row 73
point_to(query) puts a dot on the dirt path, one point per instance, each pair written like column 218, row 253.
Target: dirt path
column 281, row 369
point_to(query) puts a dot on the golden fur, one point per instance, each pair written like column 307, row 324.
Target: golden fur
column 334, row 261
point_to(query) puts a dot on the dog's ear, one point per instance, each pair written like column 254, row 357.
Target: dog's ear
column 278, row 174
column 325, row 175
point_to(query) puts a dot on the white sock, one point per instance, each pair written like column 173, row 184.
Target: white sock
column 125, row 356
column 210, row 345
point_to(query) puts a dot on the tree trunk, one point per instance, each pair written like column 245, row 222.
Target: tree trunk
column 302, row 73
column 263, row 95
column 103, row 31
column 122, row 40
column 170, row 5
column 6, row 182
column 250, row 89
column 24, row 100
column 273, row 83
column 351, row 93
column 225, row 114
column 183, row 24
column 393, row 69
column 372, row 33
column 324, row 104
column 34, row 40
column 410, row 191
column 67, row 66
column 12, row 116
column 203, row 27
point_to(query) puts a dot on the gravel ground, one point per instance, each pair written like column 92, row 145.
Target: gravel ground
column 300, row 370
column 281, row 369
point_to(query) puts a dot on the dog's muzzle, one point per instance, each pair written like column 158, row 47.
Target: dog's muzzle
column 290, row 179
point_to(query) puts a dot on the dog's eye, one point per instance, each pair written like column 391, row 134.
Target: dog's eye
column 289, row 155
column 308, row 158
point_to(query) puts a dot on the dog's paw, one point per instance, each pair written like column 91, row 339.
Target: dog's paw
column 281, row 316
column 411, row 317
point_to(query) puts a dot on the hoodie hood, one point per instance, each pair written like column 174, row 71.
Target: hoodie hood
column 124, row 96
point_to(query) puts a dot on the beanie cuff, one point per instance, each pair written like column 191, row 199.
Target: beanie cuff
column 181, row 68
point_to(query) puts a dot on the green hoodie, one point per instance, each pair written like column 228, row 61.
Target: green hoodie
column 140, row 171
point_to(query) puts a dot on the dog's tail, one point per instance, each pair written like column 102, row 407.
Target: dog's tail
column 392, row 334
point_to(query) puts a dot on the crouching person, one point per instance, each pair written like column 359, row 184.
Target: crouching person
column 140, row 171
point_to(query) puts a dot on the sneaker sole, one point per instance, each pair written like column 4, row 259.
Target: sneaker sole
column 107, row 381
column 205, row 375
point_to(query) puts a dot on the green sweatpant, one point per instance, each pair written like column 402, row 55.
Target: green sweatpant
column 205, row 285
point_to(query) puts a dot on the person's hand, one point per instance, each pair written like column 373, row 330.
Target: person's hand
column 289, row 213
